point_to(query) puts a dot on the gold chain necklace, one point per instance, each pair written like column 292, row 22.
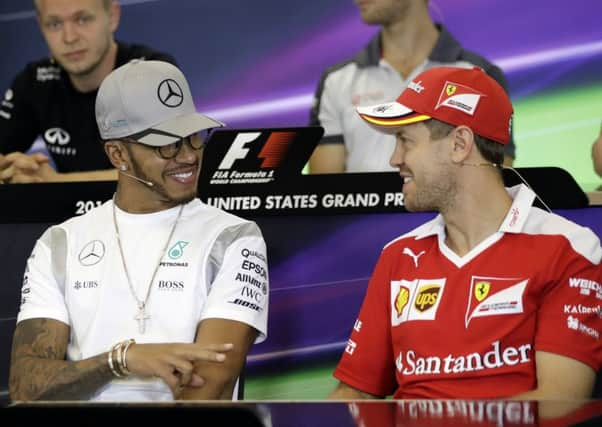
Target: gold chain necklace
column 141, row 316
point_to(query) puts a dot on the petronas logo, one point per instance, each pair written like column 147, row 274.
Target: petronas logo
column 177, row 250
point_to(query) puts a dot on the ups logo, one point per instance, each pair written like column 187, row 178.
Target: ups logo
column 426, row 297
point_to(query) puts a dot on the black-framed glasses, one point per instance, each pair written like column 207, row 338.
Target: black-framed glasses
column 169, row 151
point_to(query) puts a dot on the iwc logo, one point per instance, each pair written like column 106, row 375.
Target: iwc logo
column 92, row 253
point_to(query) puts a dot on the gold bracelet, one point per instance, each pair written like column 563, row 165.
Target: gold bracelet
column 110, row 362
column 124, row 364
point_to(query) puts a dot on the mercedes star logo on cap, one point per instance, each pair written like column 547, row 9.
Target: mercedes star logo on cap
column 92, row 253
column 170, row 93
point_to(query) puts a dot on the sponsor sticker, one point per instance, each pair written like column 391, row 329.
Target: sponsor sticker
column 459, row 97
column 493, row 296
column 415, row 300
column 586, row 287
column 576, row 325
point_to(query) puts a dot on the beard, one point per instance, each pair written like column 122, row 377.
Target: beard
column 431, row 194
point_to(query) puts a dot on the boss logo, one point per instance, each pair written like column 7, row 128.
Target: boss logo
column 171, row 285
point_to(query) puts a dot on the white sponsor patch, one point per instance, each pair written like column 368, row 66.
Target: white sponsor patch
column 493, row 296
column 415, row 300
column 459, row 97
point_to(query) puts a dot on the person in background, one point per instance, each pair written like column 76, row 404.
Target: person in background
column 153, row 295
column 493, row 298
column 408, row 43
column 54, row 97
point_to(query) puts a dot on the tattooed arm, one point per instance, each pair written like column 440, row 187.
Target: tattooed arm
column 39, row 371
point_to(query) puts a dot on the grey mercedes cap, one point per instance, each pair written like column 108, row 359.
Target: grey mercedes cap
column 148, row 101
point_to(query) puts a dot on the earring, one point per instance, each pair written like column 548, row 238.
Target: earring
column 123, row 167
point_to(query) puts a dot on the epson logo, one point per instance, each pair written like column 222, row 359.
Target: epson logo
column 171, row 285
column 257, row 268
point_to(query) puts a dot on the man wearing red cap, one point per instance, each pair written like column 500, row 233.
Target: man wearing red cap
column 493, row 298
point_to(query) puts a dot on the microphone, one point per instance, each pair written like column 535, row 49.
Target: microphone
column 148, row 183
column 495, row 165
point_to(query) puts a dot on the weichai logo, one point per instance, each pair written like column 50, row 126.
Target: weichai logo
column 426, row 297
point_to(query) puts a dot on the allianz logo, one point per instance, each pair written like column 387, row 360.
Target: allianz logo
column 410, row 364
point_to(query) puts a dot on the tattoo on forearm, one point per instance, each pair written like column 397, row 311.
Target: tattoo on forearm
column 39, row 370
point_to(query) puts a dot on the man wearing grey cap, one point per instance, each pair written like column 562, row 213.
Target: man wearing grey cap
column 153, row 295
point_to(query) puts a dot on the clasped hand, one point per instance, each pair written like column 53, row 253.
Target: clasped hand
column 20, row 168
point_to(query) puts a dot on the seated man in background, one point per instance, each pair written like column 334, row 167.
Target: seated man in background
column 140, row 298
column 597, row 154
column 493, row 298
column 409, row 42
column 54, row 97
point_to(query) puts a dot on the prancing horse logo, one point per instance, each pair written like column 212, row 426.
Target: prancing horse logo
column 170, row 93
column 92, row 253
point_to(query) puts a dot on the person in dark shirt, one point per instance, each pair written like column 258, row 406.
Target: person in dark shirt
column 54, row 97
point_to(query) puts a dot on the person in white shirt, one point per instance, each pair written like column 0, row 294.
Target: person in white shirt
column 153, row 295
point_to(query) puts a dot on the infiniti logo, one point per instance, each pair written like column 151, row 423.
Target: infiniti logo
column 92, row 253
column 170, row 93
column 57, row 136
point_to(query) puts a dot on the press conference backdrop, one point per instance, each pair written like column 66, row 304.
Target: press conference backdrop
column 256, row 63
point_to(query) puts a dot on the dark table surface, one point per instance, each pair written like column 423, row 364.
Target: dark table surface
column 389, row 413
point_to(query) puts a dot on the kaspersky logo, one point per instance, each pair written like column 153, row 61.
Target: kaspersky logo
column 272, row 153
column 177, row 250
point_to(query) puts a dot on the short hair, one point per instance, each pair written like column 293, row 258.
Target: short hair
column 491, row 151
column 106, row 4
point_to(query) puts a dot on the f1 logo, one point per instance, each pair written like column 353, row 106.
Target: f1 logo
column 237, row 149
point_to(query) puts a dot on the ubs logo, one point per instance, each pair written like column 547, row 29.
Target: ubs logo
column 170, row 93
column 92, row 253
column 57, row 136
